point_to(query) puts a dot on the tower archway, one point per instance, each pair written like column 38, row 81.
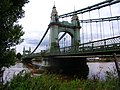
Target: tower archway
column 64, row 39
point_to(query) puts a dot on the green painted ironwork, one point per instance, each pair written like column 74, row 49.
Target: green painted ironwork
column 100, row 19
column 90, row 8
column 105, row 45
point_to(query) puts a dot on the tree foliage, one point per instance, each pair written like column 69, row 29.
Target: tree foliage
column 10, row 30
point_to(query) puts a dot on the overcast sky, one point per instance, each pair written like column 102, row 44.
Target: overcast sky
column 37, row 18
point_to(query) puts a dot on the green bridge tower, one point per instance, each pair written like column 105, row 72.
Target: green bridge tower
column 73, row 29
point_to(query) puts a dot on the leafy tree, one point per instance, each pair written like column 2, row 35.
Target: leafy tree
column 10, row 30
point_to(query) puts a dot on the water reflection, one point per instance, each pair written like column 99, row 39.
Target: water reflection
column 99, row 69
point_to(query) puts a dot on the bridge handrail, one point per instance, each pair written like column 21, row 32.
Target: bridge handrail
column 111, row 38
column 90, row 46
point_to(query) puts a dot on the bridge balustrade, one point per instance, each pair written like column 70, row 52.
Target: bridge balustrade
column 105, row 45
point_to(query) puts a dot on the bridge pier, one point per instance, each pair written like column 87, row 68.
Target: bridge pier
column 69, row 66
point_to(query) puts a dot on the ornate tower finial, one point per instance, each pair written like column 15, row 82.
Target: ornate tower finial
column 30, row 49
column 74, row 8
column 24, row 48
column 54, row 14
column 54, row 11
column 75, row 19
column 54, row 5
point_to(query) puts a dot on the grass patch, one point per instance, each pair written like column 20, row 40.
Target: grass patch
column 56, row 82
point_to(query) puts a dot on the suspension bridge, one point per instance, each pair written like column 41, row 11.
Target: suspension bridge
column 94, row 30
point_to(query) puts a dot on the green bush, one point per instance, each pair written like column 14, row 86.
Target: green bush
column 54, row 82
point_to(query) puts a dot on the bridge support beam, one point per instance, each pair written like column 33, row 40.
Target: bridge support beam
column 70, row 66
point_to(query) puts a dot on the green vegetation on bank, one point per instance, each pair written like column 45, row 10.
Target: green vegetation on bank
column 54, row 82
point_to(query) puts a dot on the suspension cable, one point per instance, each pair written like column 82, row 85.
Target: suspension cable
column 111, row 21
column 82, row 29
column 110, row 28
column 86, row 32
column 62, row 36
column 97, row 30
column 66, row 40
column 100, row 24
column 93, row 7
column 62, row 43
column 69, row 40
column 103, row 29
column 100, row 19
column 41, row 40
column 90, row 26
column 118, row 27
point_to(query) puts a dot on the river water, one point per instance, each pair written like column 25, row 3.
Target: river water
column 11, row 71
column 97, row 69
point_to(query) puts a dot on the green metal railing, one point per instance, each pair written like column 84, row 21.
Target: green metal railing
column 105, row 45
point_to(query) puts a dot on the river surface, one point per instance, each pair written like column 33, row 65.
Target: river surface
column 97, row 69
